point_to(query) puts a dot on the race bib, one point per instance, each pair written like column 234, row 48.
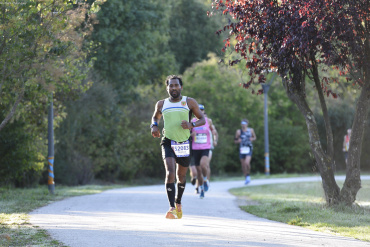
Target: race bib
column 245, row 150
column 181, row 149
column 201, row 138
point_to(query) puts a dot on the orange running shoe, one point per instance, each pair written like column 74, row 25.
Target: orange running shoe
column 171, row 214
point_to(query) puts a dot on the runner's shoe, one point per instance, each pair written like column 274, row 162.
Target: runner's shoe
column 205, row 184
column 201, row 196
column 247, row 179
column 196, row 191
column 171, row 214
column 178, row 211
column 193, row 181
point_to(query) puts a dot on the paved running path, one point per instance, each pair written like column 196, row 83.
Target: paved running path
column 135, row 217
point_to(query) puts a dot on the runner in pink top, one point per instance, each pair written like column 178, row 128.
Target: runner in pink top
column 202, row 138
column 201, row 144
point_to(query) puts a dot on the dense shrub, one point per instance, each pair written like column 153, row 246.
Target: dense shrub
column 21, row 155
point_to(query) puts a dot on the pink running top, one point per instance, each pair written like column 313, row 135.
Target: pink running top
column 202, row 138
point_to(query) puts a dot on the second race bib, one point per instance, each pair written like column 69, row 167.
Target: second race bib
column 245, row 150
column 201, row 138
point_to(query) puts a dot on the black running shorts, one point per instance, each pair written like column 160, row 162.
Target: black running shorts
column 198, row 154
column 167, row 152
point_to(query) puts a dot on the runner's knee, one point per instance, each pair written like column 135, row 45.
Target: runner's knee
column 170, row 176
column 181, row 178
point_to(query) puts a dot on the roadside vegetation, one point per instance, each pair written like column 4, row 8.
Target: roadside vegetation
column 105, row 71
column 303, row 204
column 15, row 204
column 102, row 129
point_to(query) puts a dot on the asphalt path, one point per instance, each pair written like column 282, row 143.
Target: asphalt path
column 135, row 216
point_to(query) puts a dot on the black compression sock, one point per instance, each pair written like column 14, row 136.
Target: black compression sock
column 180, row 191
column 171, row 191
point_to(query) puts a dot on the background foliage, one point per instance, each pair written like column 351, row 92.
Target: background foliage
column 41, row 54
column 102, row 131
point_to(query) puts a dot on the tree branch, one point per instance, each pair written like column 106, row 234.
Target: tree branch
column 328, row 130
column 12, row 111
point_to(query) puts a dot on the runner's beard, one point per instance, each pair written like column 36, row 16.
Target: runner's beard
column 174, row 94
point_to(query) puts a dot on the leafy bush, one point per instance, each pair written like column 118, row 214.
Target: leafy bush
column 21, row 155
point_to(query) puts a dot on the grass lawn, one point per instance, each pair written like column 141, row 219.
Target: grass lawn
column 15, row 204
column 239, row 176
column 303, row 204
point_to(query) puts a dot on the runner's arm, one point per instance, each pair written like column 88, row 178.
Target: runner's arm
column 253, row 137
column 155, row 119
column 214, row 132
column 237, row 139
column 194, row 107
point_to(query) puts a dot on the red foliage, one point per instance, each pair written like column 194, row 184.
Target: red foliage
column 299, row 34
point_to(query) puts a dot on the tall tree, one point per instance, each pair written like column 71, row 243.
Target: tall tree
column 192, row 34
column 40, row 52
column 296, row 37
column 132, row 44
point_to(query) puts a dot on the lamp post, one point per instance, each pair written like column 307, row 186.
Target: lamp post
column 51, row 184
column 266, row 88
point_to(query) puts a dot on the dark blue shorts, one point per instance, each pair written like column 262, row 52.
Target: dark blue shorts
column 243, row 156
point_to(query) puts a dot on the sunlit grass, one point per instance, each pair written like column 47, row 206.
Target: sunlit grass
column 15, row 204
column 236, row 177
column 303, row 204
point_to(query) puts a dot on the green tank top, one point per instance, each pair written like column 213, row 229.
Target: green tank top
column 173, row 114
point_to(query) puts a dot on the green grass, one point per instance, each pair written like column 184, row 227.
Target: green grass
column 303, row 204
column 237, row 177
column 15, row 204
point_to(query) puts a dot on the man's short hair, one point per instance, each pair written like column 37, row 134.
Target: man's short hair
column 172, row 77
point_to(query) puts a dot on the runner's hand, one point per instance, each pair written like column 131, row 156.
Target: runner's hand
column 156, row 132
column 185, row 124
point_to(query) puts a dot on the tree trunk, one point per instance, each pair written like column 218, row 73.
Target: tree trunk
column 324, row 163
column 328, row 130
column 352, row 183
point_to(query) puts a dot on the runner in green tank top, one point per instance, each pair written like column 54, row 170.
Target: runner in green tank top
column 176, row 111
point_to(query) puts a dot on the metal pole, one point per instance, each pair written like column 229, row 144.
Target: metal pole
column 267, row 156
column 266, row 88
column 51, row 184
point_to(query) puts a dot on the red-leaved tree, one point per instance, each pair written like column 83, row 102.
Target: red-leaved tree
column 295, row 38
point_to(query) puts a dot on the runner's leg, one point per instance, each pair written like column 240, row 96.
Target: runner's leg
column 193, row 174
column 181, row 182
column 248, row 164
column 204, row 167
column 170, row 166
column 209, row 165
column 199, row 175
column 244, row 166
